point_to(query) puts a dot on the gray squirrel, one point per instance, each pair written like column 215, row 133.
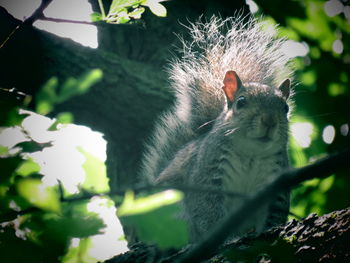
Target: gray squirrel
column 228, row 128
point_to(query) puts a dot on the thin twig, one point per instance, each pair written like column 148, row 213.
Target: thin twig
column 59, row 20
column 141, row 188
column 322, row 168
column 102, row 9
column 9, row 36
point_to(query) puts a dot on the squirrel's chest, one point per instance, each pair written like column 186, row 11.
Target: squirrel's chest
column 247, row 175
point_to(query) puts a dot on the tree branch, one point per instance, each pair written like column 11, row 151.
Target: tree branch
column 286, row 180
column 88, row 195
column 39, row 12
column 59, row 20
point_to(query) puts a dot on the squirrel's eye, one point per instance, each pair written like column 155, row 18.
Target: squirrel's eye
column 241, row 102
column 286, row 108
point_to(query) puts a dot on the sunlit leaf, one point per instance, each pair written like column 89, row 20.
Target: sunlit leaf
column 27, row 167
column 308, row 78
column 89, row 79
column 3, row 190
column 61, row 118
column 65, row 117
column 118, row 5
column 51, row 94
column 326, row 183
column 315, row 52
column 46, row 97
column 36, row 193
column 44, row 107
column 336, row 89
column 96, row 17
column 156, row 218
column 132, row 206
column 161, row 226
column 3, row 150
column 96, row 179
column 156, row 8
column 123, row 19
column 136, row 14
column 72, row 87
column 316, row 26
column 68, row 90
column 78, row 252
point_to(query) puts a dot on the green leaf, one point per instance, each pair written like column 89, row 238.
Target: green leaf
column 39, row 195
column 118, row 5
column 96, row 179
column 46, row 97
column 79, row 252
column 132, row 206
column 336, row 89
column 32, row 146
column 8, row 166
column 44, row 107
column 10, row 103
column 123, row 19
column 61, row 118
column 73, row 87
column 156, row 218
column 96, row 17
column 28, row 167
column 12, row 117
column 156, row 8
column 74, row 226
column 136, row 14
column 50, row 95
column 3, row 150
column 161, row 226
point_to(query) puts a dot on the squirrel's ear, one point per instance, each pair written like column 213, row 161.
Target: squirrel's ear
column 231, row 84
column 285, row 88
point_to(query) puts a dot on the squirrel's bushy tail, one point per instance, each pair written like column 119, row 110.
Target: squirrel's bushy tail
column 216, row 47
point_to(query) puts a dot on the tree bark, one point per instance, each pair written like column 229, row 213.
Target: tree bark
column 313, row 239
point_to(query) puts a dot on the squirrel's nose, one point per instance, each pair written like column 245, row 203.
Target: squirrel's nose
column 268, row 120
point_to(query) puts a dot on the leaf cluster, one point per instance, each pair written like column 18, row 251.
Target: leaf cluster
column 122, row 11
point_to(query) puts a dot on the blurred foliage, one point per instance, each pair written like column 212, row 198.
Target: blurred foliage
column 54, row 193
column 122, row 11
column 51, row 93
column 152, row 216
column 322, row 94
column 45, row 217
column 40, row 215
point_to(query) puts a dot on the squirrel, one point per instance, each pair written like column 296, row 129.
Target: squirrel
column 228, row 128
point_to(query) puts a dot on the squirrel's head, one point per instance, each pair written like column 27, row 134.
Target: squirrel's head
column 257, row 113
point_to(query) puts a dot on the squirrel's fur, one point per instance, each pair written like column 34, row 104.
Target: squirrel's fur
column 216, row 47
